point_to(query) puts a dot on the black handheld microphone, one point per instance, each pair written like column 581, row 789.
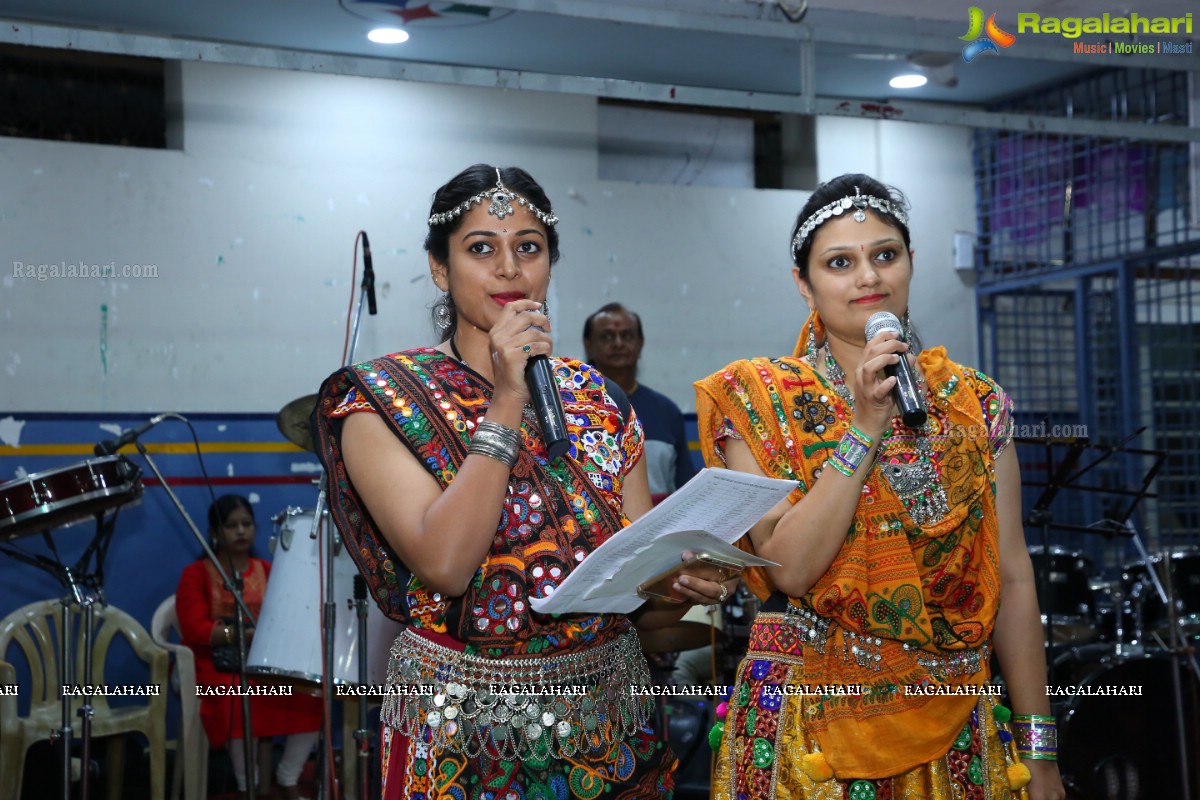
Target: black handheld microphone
column 131, row 435
column 908, row 397
column 368, row 283
column 547, row 405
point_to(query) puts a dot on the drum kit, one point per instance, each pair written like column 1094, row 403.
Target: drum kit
column 1114, row 665
column 36, row 505
column 1120, row 647
column 290, row 644
column 1085, row 607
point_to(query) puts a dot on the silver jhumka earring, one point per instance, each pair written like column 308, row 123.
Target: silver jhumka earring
column 443, row 312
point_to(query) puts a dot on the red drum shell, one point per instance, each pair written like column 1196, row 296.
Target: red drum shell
column 60, row 497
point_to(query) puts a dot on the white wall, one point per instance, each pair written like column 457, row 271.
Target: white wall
column 251, row 227
column 707, row 269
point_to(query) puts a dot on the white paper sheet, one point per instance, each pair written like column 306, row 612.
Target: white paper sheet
column 709, row 513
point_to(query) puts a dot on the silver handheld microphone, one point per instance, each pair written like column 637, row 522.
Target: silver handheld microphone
column 908, row 397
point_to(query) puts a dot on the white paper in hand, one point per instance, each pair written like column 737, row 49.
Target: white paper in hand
column 708, row 514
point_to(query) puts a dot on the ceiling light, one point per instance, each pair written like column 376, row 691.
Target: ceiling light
column 907, row 81
column 388, row 36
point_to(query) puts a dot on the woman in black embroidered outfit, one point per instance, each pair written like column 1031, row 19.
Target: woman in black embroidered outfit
column 457, row 518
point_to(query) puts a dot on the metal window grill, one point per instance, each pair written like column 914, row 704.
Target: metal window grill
column 75, row 96
column 1128, row 94
column 1089, row 304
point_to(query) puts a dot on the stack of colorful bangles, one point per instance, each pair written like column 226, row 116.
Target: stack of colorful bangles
column 1036, row 736
column 850, row 452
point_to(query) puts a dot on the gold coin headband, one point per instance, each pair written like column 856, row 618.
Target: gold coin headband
column 500, row 206
column 859, row 202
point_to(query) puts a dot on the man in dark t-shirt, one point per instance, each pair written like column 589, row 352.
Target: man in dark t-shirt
column 613, row 340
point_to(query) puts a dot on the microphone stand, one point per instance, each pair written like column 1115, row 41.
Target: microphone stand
column 230, row 587
column 366, row 296
column 249, row 752
column 362, row 735
column 328, row 639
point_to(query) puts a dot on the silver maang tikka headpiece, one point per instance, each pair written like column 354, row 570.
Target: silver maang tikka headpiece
column 859, row 202
column 500, row 205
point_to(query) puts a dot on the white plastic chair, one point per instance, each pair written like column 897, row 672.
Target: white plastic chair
column 36, row 631
column 191, row 747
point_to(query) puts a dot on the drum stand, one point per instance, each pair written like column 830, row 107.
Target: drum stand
column 46, row 502
column 1166, row 595
column 1042, row 517
column 1176, row 647
column 243, row 616
column 85, row 591
column 85, row 599
column 1122, row 525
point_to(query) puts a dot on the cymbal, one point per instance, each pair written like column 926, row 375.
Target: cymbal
column 292, row 421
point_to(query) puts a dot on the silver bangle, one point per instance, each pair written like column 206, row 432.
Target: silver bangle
column 496, row 441
column 501, row 435
column 503, row 456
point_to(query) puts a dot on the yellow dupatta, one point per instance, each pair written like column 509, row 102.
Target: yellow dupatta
column 904, row 593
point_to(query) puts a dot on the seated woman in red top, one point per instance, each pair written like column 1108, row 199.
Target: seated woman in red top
column 207, row 620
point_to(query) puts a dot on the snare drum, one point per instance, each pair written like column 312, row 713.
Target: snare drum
column 287, row 640
column 57, row 498
column 1122, row 745
column 1185, row 586
column 1072, row 604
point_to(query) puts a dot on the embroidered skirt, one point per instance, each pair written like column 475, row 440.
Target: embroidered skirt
column 421, row 763
column 765, row 741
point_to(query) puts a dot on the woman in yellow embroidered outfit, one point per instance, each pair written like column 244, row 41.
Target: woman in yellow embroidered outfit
column 903, row 554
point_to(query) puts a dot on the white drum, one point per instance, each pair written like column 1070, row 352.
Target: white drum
column 287, row 640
